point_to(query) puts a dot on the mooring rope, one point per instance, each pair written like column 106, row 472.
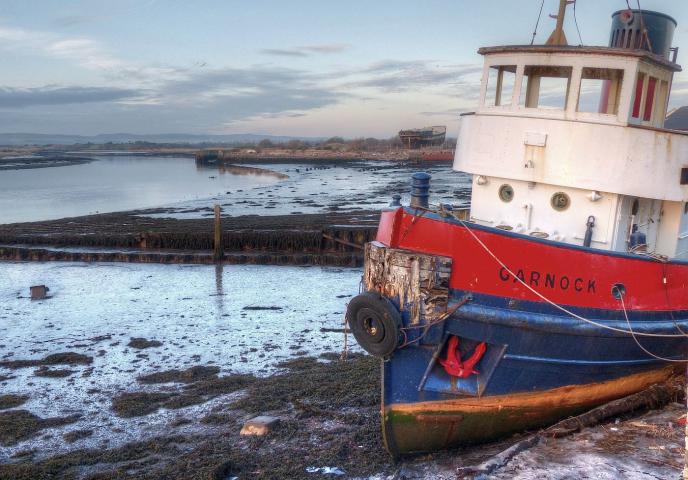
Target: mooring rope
column 628, row 322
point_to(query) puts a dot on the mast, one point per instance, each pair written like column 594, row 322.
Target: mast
column 558, row 37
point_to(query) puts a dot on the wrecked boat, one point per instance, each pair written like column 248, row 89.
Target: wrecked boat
column 564, row 285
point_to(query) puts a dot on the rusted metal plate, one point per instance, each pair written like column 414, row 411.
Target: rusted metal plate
column 418, row 281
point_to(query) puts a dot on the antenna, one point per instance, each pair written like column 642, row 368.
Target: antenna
column 558, row 37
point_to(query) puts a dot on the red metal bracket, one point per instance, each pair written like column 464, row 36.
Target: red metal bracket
column 456, row 367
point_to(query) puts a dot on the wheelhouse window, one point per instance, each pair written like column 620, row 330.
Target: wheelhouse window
column 638, row 97
column 501, row 80
column 649, row 100
column 546, row 86
column 600, row 90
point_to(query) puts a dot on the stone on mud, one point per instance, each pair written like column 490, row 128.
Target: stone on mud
column 260, row 426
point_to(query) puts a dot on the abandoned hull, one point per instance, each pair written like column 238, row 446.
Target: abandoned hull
column 538, row 354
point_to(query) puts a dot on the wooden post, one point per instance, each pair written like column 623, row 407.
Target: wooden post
column 219, row 254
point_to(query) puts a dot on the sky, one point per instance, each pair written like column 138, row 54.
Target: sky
column 301, row 68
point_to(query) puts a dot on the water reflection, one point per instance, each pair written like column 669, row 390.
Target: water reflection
column 242, row 170
column 113, row 184
column 219, row 292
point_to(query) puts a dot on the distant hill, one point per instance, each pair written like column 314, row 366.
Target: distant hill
column 14, row 139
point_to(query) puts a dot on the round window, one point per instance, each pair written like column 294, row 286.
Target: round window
column 560, row 201
column 506, row 193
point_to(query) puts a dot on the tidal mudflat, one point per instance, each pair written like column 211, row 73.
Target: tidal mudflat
column 149, row 372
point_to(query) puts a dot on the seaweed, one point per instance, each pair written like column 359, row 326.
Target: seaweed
column 193, row 374
column 52, row 372
column 12, row 401
column 74, row 435
column 142, row 343
column 19, row 425
column 356, row 385
column 135, row 404
column 64, row 358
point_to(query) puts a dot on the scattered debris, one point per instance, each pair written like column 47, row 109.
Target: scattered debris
column 326, row 470
column 256, row 307
column 141, row 343
column 260, row 426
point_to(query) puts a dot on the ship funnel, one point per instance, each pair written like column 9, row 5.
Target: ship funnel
column 628, row 27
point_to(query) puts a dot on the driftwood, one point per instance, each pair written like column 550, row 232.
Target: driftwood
column 653, row 397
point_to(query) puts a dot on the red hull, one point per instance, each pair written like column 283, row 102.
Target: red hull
column 565, row 274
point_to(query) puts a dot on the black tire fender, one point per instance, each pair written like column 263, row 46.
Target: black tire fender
column 375, row 323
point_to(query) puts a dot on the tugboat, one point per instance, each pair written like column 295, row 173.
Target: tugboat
column 565, row 284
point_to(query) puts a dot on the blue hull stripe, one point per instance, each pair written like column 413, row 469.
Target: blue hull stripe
column 561, row 361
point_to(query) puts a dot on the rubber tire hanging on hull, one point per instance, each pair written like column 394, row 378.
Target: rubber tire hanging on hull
column 375, row 323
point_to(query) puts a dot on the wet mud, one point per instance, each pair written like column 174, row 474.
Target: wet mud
column 329, row 418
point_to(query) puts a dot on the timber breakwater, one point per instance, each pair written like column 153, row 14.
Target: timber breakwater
column 332, row 239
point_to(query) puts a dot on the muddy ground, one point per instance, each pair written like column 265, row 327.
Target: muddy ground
column 329, row 428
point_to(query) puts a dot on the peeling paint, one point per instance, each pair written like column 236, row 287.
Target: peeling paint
column 418, row 282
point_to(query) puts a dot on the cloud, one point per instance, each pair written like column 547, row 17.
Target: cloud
column 402, row 75
column 307, row 50
column 26, row 97
column 71, row 20
column 86, row 52
column 326, row 48
column 284, row 52
column 450, row 112
column 134, row 96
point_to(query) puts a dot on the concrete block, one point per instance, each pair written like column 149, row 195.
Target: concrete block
column 260, row 426
column 39, row 292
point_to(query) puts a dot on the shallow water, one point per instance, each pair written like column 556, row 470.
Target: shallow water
column 118, row 183
column 197, row 312
column 366, row 185
column 112, row 184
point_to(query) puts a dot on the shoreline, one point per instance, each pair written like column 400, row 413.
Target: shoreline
column 27, row 163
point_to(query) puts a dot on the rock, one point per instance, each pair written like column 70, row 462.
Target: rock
column 260, row 426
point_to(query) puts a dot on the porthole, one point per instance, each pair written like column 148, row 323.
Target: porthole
column 506, row 193
column 538, row 234
column 560, row 201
